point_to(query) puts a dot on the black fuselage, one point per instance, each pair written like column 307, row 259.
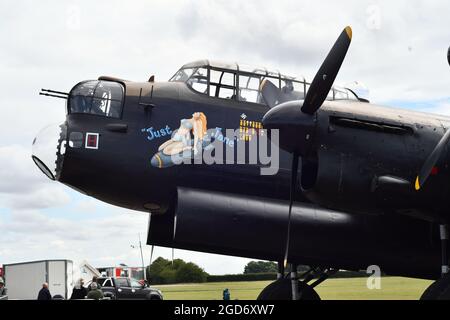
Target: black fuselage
column 343, row 218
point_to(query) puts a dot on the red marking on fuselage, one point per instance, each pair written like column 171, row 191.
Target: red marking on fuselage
column 434, row 171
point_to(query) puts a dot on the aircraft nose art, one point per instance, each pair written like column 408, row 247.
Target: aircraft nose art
column 49, row 148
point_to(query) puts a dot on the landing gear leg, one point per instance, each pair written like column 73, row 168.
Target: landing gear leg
column 289, row 287
column 443, row 228
column 440, row 289
column 280, row 273
column 294, row 283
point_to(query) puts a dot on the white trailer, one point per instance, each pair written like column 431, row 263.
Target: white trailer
column 24, row 280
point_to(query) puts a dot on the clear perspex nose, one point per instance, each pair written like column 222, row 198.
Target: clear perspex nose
column 48, row 150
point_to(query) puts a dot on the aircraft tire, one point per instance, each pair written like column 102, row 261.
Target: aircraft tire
column 438, row 290
column 282, row 290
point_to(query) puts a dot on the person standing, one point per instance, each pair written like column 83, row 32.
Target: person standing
column 95, row 293
column 79, row 292
column 3, row 290
column 94, row 280
column 44, row 293
column 226, row 294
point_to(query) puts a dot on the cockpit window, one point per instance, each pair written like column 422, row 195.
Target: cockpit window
column 292, row 90
column 182, row 75
column 199, row 80
column 222, row 84
column 243, row 83
column 104, row 98
column 342, row 94
column 249, row 88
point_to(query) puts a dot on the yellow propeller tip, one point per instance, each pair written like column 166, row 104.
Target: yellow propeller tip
column 349, row 32
column 417, row 185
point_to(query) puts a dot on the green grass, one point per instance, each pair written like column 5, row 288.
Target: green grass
column 333, row 289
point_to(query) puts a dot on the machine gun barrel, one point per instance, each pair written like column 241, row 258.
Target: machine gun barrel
column 53, row 91
column 53, row 95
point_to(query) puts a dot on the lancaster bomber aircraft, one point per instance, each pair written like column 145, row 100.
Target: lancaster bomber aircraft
column 244, row 161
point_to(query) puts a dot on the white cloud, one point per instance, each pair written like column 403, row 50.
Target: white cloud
column 88, row 206
column 49, row 197
column 442, row 108
column 22, row 185
column 102, row 241
column 17, row 172
column 35, row 235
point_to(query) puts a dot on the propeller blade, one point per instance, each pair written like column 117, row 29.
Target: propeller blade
column 323, row 81
column 174, row 227
column 173, row 255
column 150, row 265
column 270, row 93
column 291, row 201
column 431, row 161
column 151, row 255
column 174, row 233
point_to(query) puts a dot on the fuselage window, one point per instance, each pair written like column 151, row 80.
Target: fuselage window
column 76, row 140
column 104, row 98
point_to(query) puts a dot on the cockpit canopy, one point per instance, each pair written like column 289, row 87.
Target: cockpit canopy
column 242, row 83
column 104, row 98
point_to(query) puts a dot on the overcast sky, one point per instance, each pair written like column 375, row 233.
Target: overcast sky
column 398, row 51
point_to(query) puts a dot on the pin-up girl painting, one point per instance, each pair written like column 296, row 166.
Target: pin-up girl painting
column 181, row 145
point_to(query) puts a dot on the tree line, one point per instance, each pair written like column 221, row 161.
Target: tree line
column 164, row 271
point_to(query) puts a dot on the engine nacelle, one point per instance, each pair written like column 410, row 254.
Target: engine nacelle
column 344, row 181
column 367, row 163
column 255, row 227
